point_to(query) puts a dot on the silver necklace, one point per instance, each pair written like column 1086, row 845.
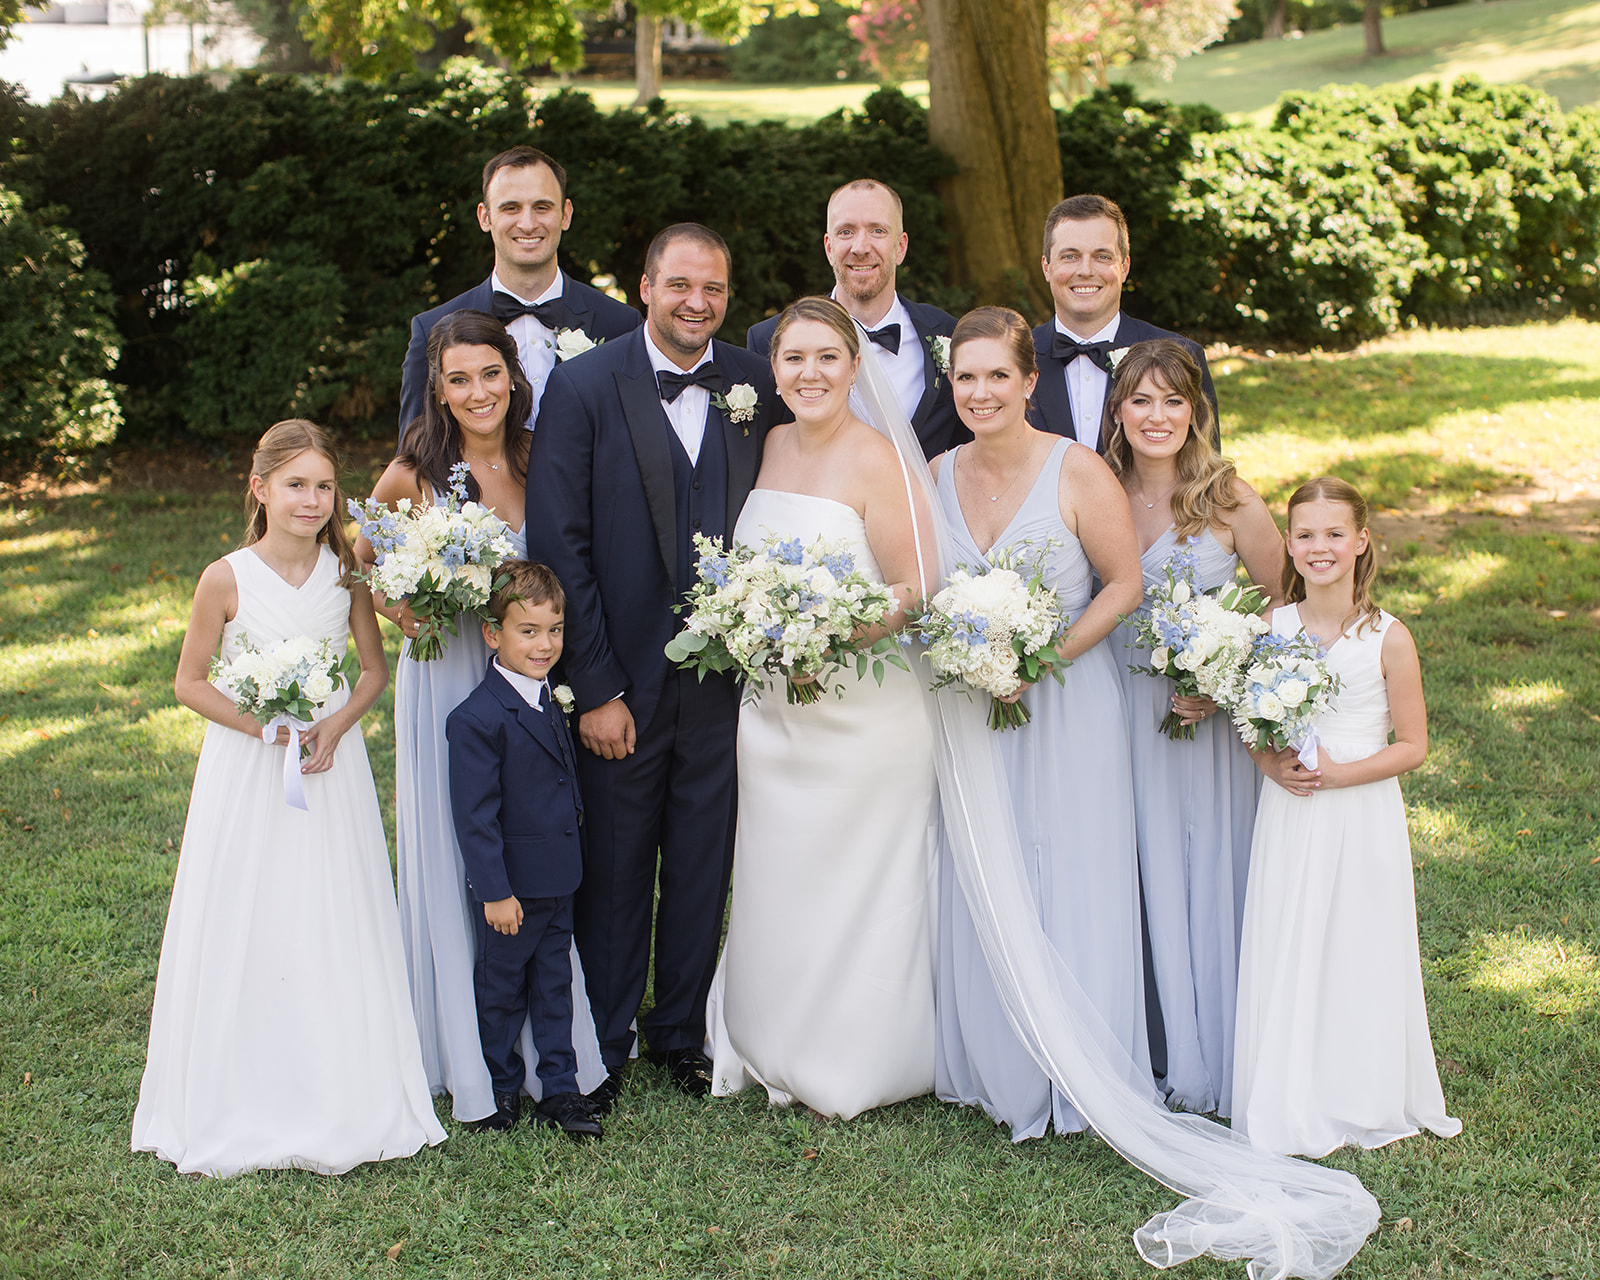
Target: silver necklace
column 1027, row 458
column 493, row 466
column 1151, row 506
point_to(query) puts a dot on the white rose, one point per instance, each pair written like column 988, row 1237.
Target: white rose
column 476, row 576
column 1160, row 657
column 1180, row 592
column 1293, row 692
column 1268, row 707
column 318, row 687
column 572, row 342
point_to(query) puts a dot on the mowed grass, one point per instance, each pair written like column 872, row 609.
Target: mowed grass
column 95, row 766
column 1553, row 45
column 719, row 102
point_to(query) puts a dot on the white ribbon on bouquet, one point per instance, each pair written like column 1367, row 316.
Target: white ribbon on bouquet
column 294, row 786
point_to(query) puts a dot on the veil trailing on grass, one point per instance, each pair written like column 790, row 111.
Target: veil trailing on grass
column 1286, row 1217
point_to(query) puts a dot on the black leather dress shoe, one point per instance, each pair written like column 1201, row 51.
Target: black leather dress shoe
column 570, row 1113
column 506, row 1108
column 689, row 1068
column 604, row 1095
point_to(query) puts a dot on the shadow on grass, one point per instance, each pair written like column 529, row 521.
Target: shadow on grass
column 1364, row 397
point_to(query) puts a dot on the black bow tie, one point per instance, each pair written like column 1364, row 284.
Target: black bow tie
column 553, row 315
column 1067, row 350
column 707, row 375
column 887, row 337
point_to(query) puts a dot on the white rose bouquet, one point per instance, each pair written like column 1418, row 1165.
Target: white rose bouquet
column 1198, row 640
column 783, row 609
column 283, row 687
column 439, row 558
column 1287, row 684
column 995, row 631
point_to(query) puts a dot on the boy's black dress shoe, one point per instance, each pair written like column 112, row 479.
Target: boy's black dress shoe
column 689, row 1068
column 570, row 1113
column 604, row 1095
column 506, row 1108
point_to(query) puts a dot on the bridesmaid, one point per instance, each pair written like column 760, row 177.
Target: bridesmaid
column 476, row 411
column 1195, row 799
column 1014, row 488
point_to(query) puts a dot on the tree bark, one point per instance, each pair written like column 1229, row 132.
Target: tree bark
column 647, row 58
column 1371, row 19
column 1277, row 21
column 989, row 95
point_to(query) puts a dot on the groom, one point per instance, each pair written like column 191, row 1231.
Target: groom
column 637, row 450
column 1086, row 263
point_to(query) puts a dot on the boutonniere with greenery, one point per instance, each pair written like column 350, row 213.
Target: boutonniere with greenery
column 939, row 346
column 573, row 342
column 739, row 404
column 564, row 699
column 1116, row 357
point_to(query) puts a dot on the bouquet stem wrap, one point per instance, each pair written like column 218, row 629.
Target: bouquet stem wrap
column 294, row 786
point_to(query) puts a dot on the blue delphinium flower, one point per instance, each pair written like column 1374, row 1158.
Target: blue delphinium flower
column 969, row 627
column 841, row 564
column 790, row 552
column 455, row 555
column 714, row 569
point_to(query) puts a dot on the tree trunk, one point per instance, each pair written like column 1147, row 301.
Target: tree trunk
column 1371, row 17
column 647, row 58
column 990, row 111
column 1277, row 21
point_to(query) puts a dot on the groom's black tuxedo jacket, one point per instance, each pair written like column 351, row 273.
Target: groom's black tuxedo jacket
column 934, row 418
column 598, row 315
column 1052, row 404
column 602, row 509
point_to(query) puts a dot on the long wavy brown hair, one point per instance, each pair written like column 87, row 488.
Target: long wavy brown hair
column 1204, row 492
column 1364, row 611
column 281, row 444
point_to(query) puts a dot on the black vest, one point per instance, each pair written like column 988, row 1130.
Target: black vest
column 700, row 495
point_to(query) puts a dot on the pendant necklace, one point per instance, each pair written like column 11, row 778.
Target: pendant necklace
column 493, row 466
column 1027, row 458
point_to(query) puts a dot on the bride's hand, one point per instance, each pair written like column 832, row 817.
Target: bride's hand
column 322, row 737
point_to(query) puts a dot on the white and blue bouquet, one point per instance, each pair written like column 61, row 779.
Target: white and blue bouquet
column 786, row 609
column 1200, row 640
column 283, row 687
column 995, row 630
column 440, row 558
column 1287, row 684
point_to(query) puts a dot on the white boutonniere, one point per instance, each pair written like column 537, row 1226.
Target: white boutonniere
column 1115, row 357
column 939, row 345
column 564, row 699
column 739, row 404
column 573, row 342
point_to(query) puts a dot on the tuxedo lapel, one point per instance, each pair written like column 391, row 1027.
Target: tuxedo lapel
column 648, row 425
column 743, row 447
column 930, row 377
column 577, row 306
column 537, row 723
column 1050, row 392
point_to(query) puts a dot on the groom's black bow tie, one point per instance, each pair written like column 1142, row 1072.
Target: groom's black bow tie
column 553, row 315
column 1067, row 349
column 708, row 376
column 887, row 337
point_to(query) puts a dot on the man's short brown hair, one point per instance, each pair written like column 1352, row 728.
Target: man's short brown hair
column 526, row 582
column 523, row 158
column 1083, row 209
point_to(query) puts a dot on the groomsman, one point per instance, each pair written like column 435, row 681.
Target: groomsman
column 1086, row 262
column 524, row 209
column 640, row 445
column 865, row 241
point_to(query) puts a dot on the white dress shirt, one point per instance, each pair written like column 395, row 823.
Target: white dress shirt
column 536, row 345
column 906, row 368
column 534, row 692
column 687, row 413
column 1086, row 384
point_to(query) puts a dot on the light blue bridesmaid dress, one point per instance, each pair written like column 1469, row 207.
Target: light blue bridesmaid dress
column 1196, row 805
column 1072, row 792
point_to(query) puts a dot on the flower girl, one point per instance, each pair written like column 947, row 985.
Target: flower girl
column 282, row 1034
column 1332, row 1044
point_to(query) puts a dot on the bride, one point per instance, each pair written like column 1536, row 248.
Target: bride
column 824, row 994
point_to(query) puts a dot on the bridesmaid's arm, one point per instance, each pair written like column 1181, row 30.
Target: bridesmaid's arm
column 1257, row 540
column 1094, row 507
column 324, row 734
column 1402, row 673
column 397, row 481
column 216, row 600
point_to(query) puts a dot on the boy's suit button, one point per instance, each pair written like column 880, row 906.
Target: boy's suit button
column 569, row 831
column 696, row 484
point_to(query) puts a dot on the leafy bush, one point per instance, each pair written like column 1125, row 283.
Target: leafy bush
column 800, row 49
column 57, row 342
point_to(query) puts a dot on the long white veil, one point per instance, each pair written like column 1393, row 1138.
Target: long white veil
column 1288, row 1217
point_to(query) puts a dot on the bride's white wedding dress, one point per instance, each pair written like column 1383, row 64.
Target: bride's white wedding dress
column 824, row 993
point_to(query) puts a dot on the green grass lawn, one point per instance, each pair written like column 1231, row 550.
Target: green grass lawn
column 1552, row 45
column 96, row 762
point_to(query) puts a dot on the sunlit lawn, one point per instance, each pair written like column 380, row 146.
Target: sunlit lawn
column 722, row 101
column 95, row 766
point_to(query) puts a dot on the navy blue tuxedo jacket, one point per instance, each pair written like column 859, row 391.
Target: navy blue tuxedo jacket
column 599, row 316
column 1052, row 405
column 602, row 511
column 934, row 419
column 514, row 794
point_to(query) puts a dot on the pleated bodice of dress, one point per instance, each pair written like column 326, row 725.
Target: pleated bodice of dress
column 1357, row 722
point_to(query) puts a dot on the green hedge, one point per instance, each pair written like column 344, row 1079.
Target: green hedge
column 263, row 246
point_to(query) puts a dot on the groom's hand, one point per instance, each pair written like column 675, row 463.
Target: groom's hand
column 608, row 730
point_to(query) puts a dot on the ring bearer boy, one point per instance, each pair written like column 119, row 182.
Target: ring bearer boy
column 519, row 821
